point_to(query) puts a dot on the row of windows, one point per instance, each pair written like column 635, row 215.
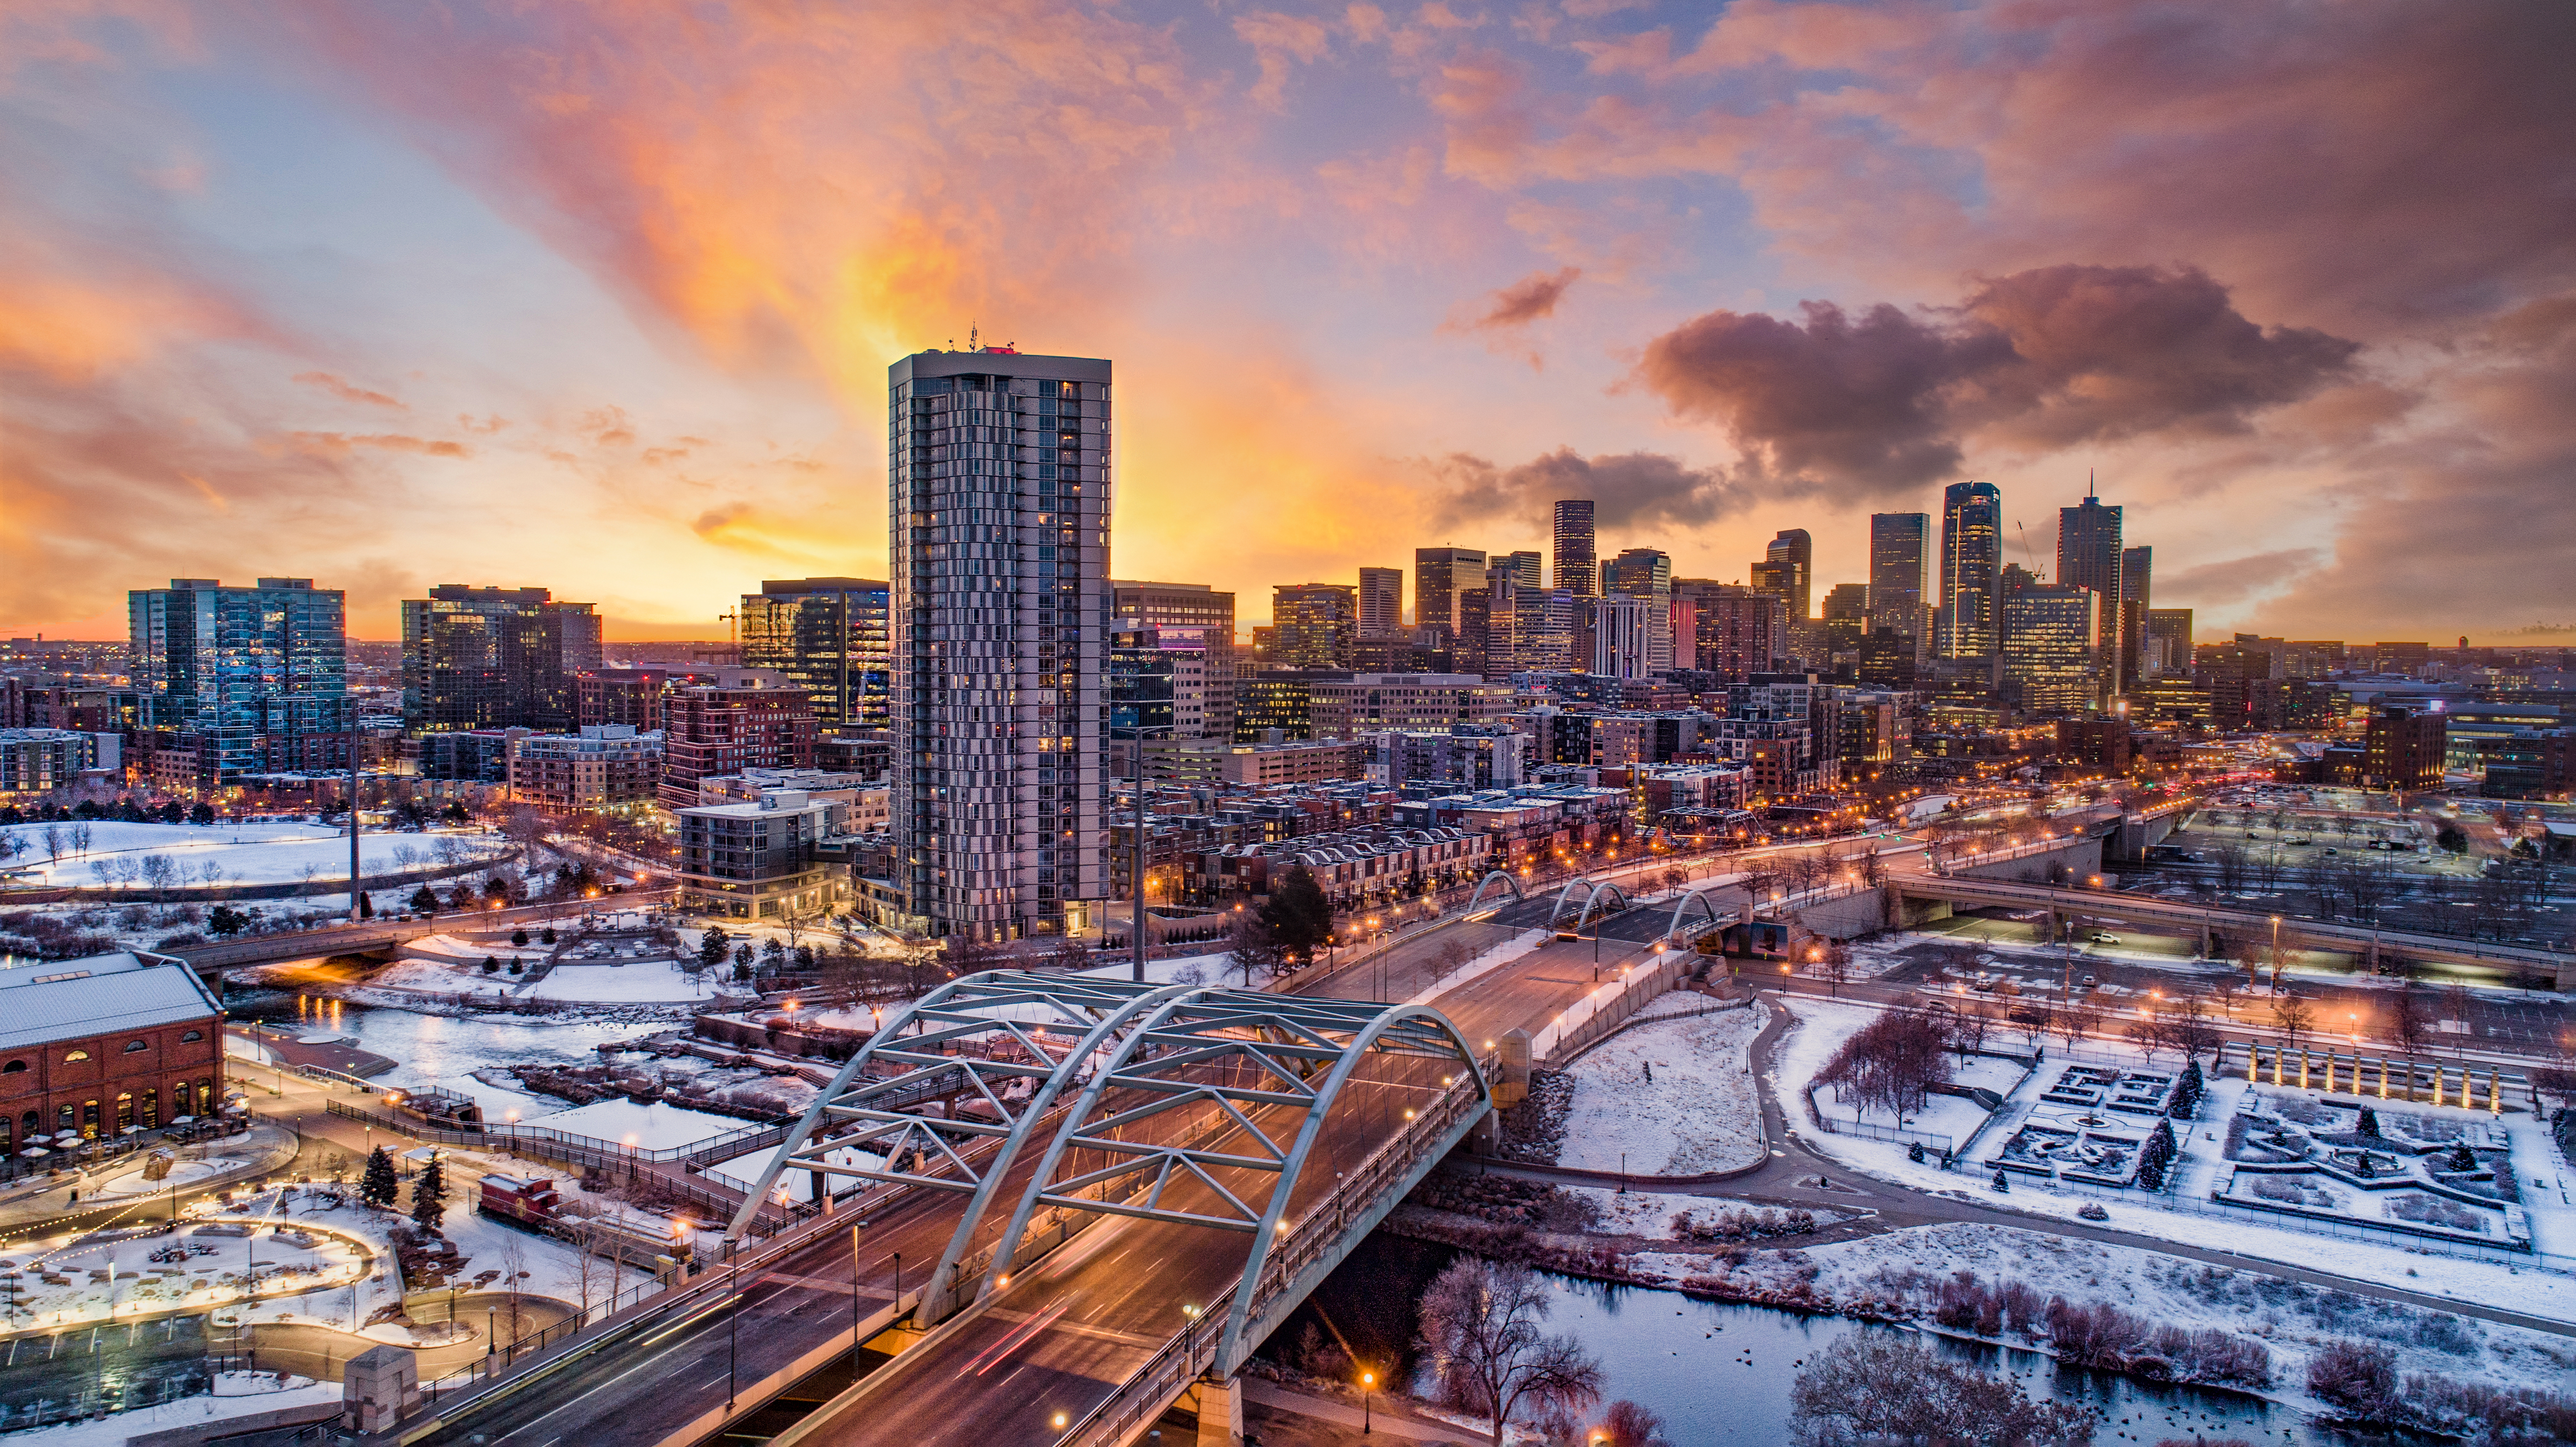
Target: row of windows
column 74, row 1057
column 130, row 1111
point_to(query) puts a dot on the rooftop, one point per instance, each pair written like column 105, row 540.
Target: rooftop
column 48, row 1000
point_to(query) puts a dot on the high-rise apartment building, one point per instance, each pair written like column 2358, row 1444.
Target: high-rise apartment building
column 1899, row 542
column 1440, row 577
column 2052, row 647
column 1195, row 623
column 1736, row 631
column 2089, row 556
column 1313, row 625
column 478, row 658
column 1530, row 630
column 1972, row 561
column 1381, row 603
column 252, row 680
column 1793, row 547
column 2137, row 591
column 756, row 719
column 1846, row 616
column 1575, row 549
column 999, row 491
column 1622, row 642
column 1646, row 574
column 1526, row 570
column 827, row 636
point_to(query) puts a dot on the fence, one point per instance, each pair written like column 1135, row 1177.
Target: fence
column 498, row 1359
column 566, row 1148
column 1872, row 1131
column 1602, row 1011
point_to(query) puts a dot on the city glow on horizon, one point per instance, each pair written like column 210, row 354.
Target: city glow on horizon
column 602, row 299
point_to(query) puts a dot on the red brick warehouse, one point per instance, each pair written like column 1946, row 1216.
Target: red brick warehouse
column 99, row 1044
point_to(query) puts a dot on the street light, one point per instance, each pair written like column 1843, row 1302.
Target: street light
column 1368, row 1385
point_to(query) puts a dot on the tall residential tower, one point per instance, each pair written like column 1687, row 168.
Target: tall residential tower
column 1972, row 561
column 998, row 486
column 1576, row 551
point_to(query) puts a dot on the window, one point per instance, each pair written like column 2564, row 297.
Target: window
column 13, row 1067
column 73, row 1056
column 133, row 1045
column 193, row 1035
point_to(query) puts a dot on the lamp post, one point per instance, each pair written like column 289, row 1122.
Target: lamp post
column 1368, row 1386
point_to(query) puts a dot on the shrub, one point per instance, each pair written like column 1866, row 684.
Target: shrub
column 491, row 966
column 2356, row 1377
column 2098, row 1335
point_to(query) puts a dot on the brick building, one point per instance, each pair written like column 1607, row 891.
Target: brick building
column 99, row 1044
column 725, row 730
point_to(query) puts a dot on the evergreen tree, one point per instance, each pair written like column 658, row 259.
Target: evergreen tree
column 2462, row 1159
column 377, row 1186
column 429, row 1196
column 424, row 900
column 2369, row 1127
column 2156, row 1157
column 1299, row 916
column 2000, row 1183
column 366, row 905
column 715, row 947
column 519, row 938
column 491, row 966
column 548, row 937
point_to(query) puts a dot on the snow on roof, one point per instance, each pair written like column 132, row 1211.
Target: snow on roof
column 52, row 1000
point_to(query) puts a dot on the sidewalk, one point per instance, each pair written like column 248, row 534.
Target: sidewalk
column 1385, row 1417
column 270, row 1147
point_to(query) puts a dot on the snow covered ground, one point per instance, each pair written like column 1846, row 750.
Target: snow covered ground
column 1669, row 1097
column 1823, row 1026
column 269, row 853
column 213, row 1275
column 2290, row 1319
column 652, row 1127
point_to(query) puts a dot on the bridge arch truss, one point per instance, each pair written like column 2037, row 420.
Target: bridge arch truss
column 1592, row 892
column 1509, row 882
column 1190, row 1104
column 1700, row 893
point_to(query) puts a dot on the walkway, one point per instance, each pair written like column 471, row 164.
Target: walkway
column 1798, row 1176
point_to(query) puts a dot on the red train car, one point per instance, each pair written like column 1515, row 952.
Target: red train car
column 514, row 1198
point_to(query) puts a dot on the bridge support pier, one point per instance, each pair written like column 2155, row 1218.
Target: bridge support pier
column 1220, row 1408
column 2204, row 940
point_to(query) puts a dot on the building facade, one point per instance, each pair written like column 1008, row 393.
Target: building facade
column 1646, row 574
column 1972, row 561
column 477, row 658
column 603, row 768
column 243, row 680
column 1736, row 631
column 1315, row 625
column 1195, row 623
column 1440, row 577
column 1622, row 641
column 725, row 729
column 45, row 761
column 1576, row 550
column 765, row 859
column 1381, row 603
column 2089, row 555
column 1899, row 544
column 827, row 636
column 2052, row 642
column 1793, row 551
column 999, row 492
column 99, row 1044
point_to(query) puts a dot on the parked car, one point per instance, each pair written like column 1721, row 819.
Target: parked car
column 2105, row 937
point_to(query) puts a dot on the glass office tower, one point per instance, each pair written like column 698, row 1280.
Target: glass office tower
column 1899, row 542
column 1576, row 549
column 481, row 658
column 828, row 636
column 998, row 492
column 255, row 678
column 1972, row 561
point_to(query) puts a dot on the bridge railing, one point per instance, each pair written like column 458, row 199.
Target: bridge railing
column 1193, row 1350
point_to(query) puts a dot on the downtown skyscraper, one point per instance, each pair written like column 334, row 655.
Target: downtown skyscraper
column 1577, row 553
column 252, row 680
column 1972, row 561
column 998, row 480
column 2089, row 556
column 1899, row 542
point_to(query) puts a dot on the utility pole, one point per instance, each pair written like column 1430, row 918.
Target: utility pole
column 357, row 881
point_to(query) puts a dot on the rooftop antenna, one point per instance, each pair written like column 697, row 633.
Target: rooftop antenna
column 2089, row 489
column 971, row 343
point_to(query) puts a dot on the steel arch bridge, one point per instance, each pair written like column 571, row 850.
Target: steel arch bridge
column 1486, row 883
column 1592, row 892
column 1699, row 893
column 1192, row 1104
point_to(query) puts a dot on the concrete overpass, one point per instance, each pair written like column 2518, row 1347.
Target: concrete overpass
column 2214, row 923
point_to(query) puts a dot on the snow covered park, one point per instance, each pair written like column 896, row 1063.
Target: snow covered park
column 2184, row 1214
column 1671, row 1096
column 221, row 854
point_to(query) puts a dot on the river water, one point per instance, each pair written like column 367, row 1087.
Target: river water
column 1723, row 1374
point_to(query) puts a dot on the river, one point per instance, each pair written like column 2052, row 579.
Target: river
column 1723, row 1373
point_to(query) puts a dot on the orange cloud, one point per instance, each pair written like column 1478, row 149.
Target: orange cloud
column 348, row 391
column 339, row 444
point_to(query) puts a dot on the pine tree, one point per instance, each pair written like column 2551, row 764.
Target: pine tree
column 715, row 947
column 2462, row 1159
column 2369, row 1127
column 377, row 1187
column 2000, row 1183
column 1299, row 916
column 366, row 905
column 429, row 1196
column 424, row 900
column 2157, row 1157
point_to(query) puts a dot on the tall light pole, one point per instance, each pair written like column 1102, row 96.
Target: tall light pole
column 356, row 881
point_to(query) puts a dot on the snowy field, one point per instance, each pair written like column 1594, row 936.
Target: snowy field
column 1823, row 1026
column 1670, row 1097
column 2291, row 1320
column 232, row 853
column 654, row 1127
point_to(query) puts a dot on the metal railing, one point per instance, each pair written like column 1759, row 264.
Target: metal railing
column 498, row 1359
column 1169, row 1371
column 1872, row 1131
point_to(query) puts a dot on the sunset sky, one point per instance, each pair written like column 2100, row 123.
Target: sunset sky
column 601, row 297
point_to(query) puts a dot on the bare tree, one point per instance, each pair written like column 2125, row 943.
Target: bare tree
column 2188, row 1029
column 2456, row 1002
column 514, row 1271
column 1969, row 1024
column 1254, row 947
column 2292, row 1015
column 1480, row 1334
column 2032, row 1020
column 1876, row 1388
column 55, row 843
column 595, row 1270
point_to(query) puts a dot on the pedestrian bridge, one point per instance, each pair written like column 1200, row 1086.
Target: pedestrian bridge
column 1249, row 1140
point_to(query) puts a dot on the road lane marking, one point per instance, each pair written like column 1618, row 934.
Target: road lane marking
column 992, row 1356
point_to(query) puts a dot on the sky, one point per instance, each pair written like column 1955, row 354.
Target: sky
column 600, row 297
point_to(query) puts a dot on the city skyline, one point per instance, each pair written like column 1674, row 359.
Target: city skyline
column 357, row 286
